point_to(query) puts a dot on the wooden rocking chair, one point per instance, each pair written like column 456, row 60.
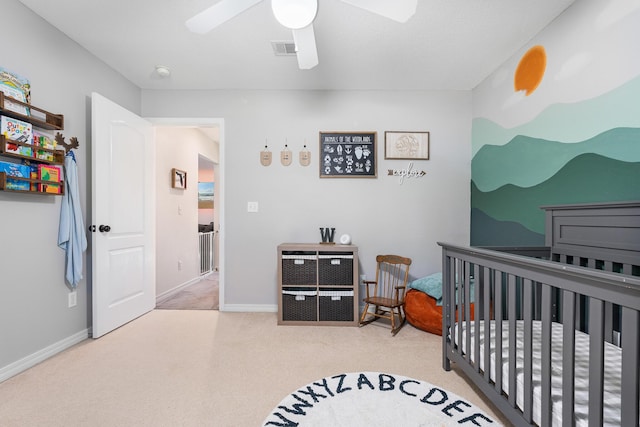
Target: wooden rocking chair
column 387, row 295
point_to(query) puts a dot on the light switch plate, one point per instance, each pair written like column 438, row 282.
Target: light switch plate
column 252, row 206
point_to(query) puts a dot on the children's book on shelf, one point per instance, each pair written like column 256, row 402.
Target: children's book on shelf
column 16, row 87
column 15, row 169
column 43, row 140
column 14, row 184
column 16, row 131
column 49, row 173
column 12, row 171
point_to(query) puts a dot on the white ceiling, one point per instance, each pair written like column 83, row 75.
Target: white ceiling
column 447, row 44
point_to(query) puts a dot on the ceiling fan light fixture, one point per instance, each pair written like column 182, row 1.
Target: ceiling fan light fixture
column 295, row 14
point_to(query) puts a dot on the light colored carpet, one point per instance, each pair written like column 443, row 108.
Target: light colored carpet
column 202, row 295
column 210, row 368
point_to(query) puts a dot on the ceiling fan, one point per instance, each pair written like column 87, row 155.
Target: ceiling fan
column 297, row 15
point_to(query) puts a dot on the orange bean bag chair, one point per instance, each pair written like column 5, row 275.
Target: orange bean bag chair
column 423, row 313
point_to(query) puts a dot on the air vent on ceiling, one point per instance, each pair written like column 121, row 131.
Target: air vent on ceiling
column 283, row 48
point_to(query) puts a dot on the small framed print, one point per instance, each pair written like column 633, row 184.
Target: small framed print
column 178, row 179
column 406, row 145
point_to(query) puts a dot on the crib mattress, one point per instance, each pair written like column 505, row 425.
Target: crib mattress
column 612, row 374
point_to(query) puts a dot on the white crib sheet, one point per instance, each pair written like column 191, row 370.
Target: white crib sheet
column 612, row 377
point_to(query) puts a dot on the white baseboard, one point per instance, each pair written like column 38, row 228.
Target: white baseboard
column 27, row 362
column 171, row 292
column 249, row 308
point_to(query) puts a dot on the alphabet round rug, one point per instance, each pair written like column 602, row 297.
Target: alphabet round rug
column 375, row 399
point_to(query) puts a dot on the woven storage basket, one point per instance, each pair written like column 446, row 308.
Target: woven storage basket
column 299, row 304
column 336, row 305
column 335, row 269
column 299, row 269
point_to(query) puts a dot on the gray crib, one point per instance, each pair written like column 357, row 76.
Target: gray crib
column 555, row 339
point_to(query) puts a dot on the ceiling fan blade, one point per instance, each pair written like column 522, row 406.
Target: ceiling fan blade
column 306, row 51
column 398, row 10
column 217, row 14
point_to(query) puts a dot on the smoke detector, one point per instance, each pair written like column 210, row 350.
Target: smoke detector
column 163, row 71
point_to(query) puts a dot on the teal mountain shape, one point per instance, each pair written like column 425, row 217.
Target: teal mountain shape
column 527, row 161
column 586, row 178
column 568, row 122
column 486, row 231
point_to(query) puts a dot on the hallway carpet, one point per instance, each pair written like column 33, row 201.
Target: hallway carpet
column 202, row 295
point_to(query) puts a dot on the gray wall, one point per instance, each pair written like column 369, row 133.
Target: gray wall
column 33, row 295
column 381, row 215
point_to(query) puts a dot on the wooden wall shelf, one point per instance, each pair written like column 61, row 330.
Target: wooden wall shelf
column 58, row 155
column 39, row 117
column 34, row 185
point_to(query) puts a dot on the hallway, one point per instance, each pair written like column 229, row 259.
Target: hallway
column 202, row 295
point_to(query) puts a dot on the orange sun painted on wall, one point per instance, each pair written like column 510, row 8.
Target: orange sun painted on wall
column 530, row 70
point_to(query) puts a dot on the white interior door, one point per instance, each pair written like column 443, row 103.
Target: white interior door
column 123, row 210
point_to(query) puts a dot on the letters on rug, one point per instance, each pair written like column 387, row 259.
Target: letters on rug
column 373, row 398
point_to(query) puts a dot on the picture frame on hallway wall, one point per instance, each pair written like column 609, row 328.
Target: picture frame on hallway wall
column 406, row 145
column 348, row 155
column 178, row 179
column 205, row 195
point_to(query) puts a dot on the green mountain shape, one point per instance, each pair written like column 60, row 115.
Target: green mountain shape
column 527, row 161
column 568, row 122
column 486, row 231
column 586, row 178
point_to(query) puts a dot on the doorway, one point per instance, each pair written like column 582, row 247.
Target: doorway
column 194, row 146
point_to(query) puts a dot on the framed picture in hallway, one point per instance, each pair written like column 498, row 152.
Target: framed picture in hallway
column 205, row 195
column 178, row 179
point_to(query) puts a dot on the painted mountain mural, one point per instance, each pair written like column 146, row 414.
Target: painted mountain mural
column 587, row 151
column 527, row 161
column 511, row 215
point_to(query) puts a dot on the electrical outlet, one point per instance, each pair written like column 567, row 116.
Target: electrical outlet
column 252, row 206
column 179, row 265
column 73, row 299
column 363, row 277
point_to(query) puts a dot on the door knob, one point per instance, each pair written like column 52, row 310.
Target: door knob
column 92, row 228
column 104, row 228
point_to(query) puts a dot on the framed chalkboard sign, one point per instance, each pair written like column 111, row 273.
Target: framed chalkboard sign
column 348, row 155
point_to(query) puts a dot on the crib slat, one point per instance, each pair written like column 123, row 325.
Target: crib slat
column 447, row 331
column 596, row 361
column 568, row 359
column 477, row 294
column 608, row 322
column 528, row 349
column 498, row 337
column 464, row 306
column 511, row 309
column 608, row 310
column 630, row 378
column 454, row 303
column 545, row 355
column 487, row 325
